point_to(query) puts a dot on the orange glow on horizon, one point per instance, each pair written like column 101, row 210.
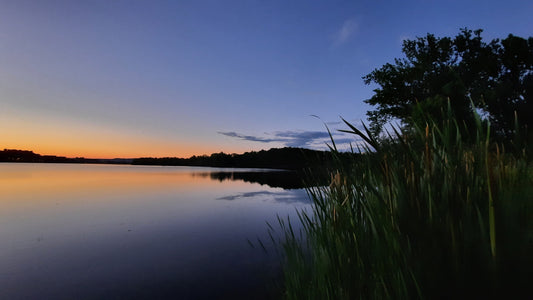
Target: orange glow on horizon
column 62, row 135
column 96, row 153
column 120, row 149
column 81, row 140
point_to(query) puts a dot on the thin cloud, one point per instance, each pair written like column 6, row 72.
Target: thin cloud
column 248, row 137
column 301, row 134
column 334, row 123
column 347, row 31
column 288, row 138
column 301, row 139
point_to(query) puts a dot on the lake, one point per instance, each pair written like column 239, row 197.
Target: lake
column 79, row 231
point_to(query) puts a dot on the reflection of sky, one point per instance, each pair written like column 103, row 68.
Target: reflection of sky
column 72, row 231
column 175, row 78
column 286, row 196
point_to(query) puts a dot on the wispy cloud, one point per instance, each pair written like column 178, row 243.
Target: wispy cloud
column 347, row 31
column 334, row 123
column 248, row 137
column 288, row 138
column 299, row 138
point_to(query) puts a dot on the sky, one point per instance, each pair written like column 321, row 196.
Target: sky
column 113, row 78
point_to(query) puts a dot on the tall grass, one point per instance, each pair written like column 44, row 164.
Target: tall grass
column 434, row 213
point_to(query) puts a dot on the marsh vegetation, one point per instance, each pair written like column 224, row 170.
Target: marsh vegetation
column 439, row 207
column 424, row 215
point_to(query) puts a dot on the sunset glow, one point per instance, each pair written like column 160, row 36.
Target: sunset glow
column 105, row 79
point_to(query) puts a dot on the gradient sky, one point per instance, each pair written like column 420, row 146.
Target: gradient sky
column 129, row 78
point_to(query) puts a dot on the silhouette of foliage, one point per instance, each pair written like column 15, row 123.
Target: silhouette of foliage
column 280, row 179
column 27, row 156
column 277, row 158
column 497, row 77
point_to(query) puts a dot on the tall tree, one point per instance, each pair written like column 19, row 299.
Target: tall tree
column 497, row 77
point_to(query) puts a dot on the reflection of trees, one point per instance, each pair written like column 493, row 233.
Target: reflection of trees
column 200, row 174
column 281, row 179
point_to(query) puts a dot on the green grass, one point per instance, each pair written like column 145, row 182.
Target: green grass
column 424, row 215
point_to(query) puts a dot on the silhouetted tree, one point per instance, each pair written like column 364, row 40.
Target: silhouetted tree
column 496, row 76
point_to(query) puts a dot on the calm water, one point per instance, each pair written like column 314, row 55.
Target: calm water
column 122, row 232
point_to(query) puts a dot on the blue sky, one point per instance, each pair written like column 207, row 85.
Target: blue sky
column 176, row 78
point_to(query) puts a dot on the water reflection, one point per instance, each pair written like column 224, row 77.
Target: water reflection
column 286, row 197
column 281, row 179
column 136, row 232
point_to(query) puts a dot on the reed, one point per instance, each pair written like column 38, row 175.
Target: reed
column 437, row 211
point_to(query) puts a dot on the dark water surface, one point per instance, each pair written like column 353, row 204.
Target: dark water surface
column 72, row 231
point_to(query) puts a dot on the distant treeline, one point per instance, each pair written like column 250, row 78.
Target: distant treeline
column 287, row 158
column 13, row 155
column 277, row 158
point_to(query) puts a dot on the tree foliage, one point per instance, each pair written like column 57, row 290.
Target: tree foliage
column 276, row 158
column 497, row 77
